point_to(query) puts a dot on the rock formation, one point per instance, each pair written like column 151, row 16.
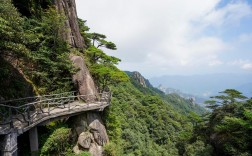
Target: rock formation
column 83, row 80
column 72, row 33
column 91, row 133
column 140, row 79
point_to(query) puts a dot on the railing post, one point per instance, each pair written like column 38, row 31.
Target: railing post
column 69, row 106
column 10, row 118
column 48, row 108
column 110, row 97
column 28, row 114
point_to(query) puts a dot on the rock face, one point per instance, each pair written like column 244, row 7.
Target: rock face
column 91, row 133
column 13, row 79
column 83, row 80
column 97, row 128
column 72, row 34
column 140, row 79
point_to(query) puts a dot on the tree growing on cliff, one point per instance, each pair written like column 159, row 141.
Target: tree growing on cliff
column 101, row 65
column 13, row 37
column 51, row 69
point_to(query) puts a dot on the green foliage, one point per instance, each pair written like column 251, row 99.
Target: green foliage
column 182, row 105
column 140, row 121
column 13, row 38
column 32, row 7
column 70, row 153
column 107, row 75
column 144, row 124
column 228, row 127
column 49, row 68
column 57, row 142
column 98, row 56
column 198, row 148
column 111, row 149
column 185, row 106
column 99, row 39
column 102, row 66
column 84, row 32
column 13, row 85
column 38, row 47
column 84, row 154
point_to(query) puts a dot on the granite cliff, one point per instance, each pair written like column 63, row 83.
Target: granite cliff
column 88, row 128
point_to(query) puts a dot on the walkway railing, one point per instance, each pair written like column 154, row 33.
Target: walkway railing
column 31, row 109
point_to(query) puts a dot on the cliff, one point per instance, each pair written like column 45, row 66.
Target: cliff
column 88, row 128
column 37, row 57
column 82, row 79
column 136, row 76
column 72, row 34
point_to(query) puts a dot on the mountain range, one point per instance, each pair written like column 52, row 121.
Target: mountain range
column 206, row 85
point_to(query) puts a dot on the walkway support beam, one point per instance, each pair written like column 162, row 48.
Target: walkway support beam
column 9, row 145
column 33, row 137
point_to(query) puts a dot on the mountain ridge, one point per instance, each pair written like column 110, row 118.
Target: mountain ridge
column 202, row 85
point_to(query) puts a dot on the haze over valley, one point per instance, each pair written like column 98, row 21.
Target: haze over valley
column 206, row 85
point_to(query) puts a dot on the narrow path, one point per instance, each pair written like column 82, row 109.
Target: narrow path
column 47, row 108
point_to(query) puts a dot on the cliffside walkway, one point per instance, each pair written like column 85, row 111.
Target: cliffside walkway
column 20, row 115
column 25, row 113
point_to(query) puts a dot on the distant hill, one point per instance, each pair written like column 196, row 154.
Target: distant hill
column 136, row 76
column 183, row 103
column 195, row 99
column 205, row 85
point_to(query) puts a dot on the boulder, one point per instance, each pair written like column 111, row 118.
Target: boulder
column 83, row 79
column 85, row 139
column 91, row 133
column 76, row 149
column 97, row 128
column 96, row 150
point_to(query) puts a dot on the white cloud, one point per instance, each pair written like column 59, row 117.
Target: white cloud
column 163, row 34
column 238, row 62
column 189, row 53
column 231, row 14
column 245, row 37
column 243, row 64
column 247, row 66
column 215, row 63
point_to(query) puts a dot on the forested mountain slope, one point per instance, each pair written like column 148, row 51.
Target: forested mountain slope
column 181, row 105
column 144, row 121
column 35, row 55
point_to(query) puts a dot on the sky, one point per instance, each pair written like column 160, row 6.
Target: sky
column 175, row 37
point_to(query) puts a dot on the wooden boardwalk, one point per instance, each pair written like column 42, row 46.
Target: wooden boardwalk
column 43, row 109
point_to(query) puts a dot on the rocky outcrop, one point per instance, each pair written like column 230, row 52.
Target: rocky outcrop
column 89, row 130
column 97, row 128
column 85, row 139
column 13, row 81
column 83, row 80
column 72, row 33
column 140, row 79
column 91, row 133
